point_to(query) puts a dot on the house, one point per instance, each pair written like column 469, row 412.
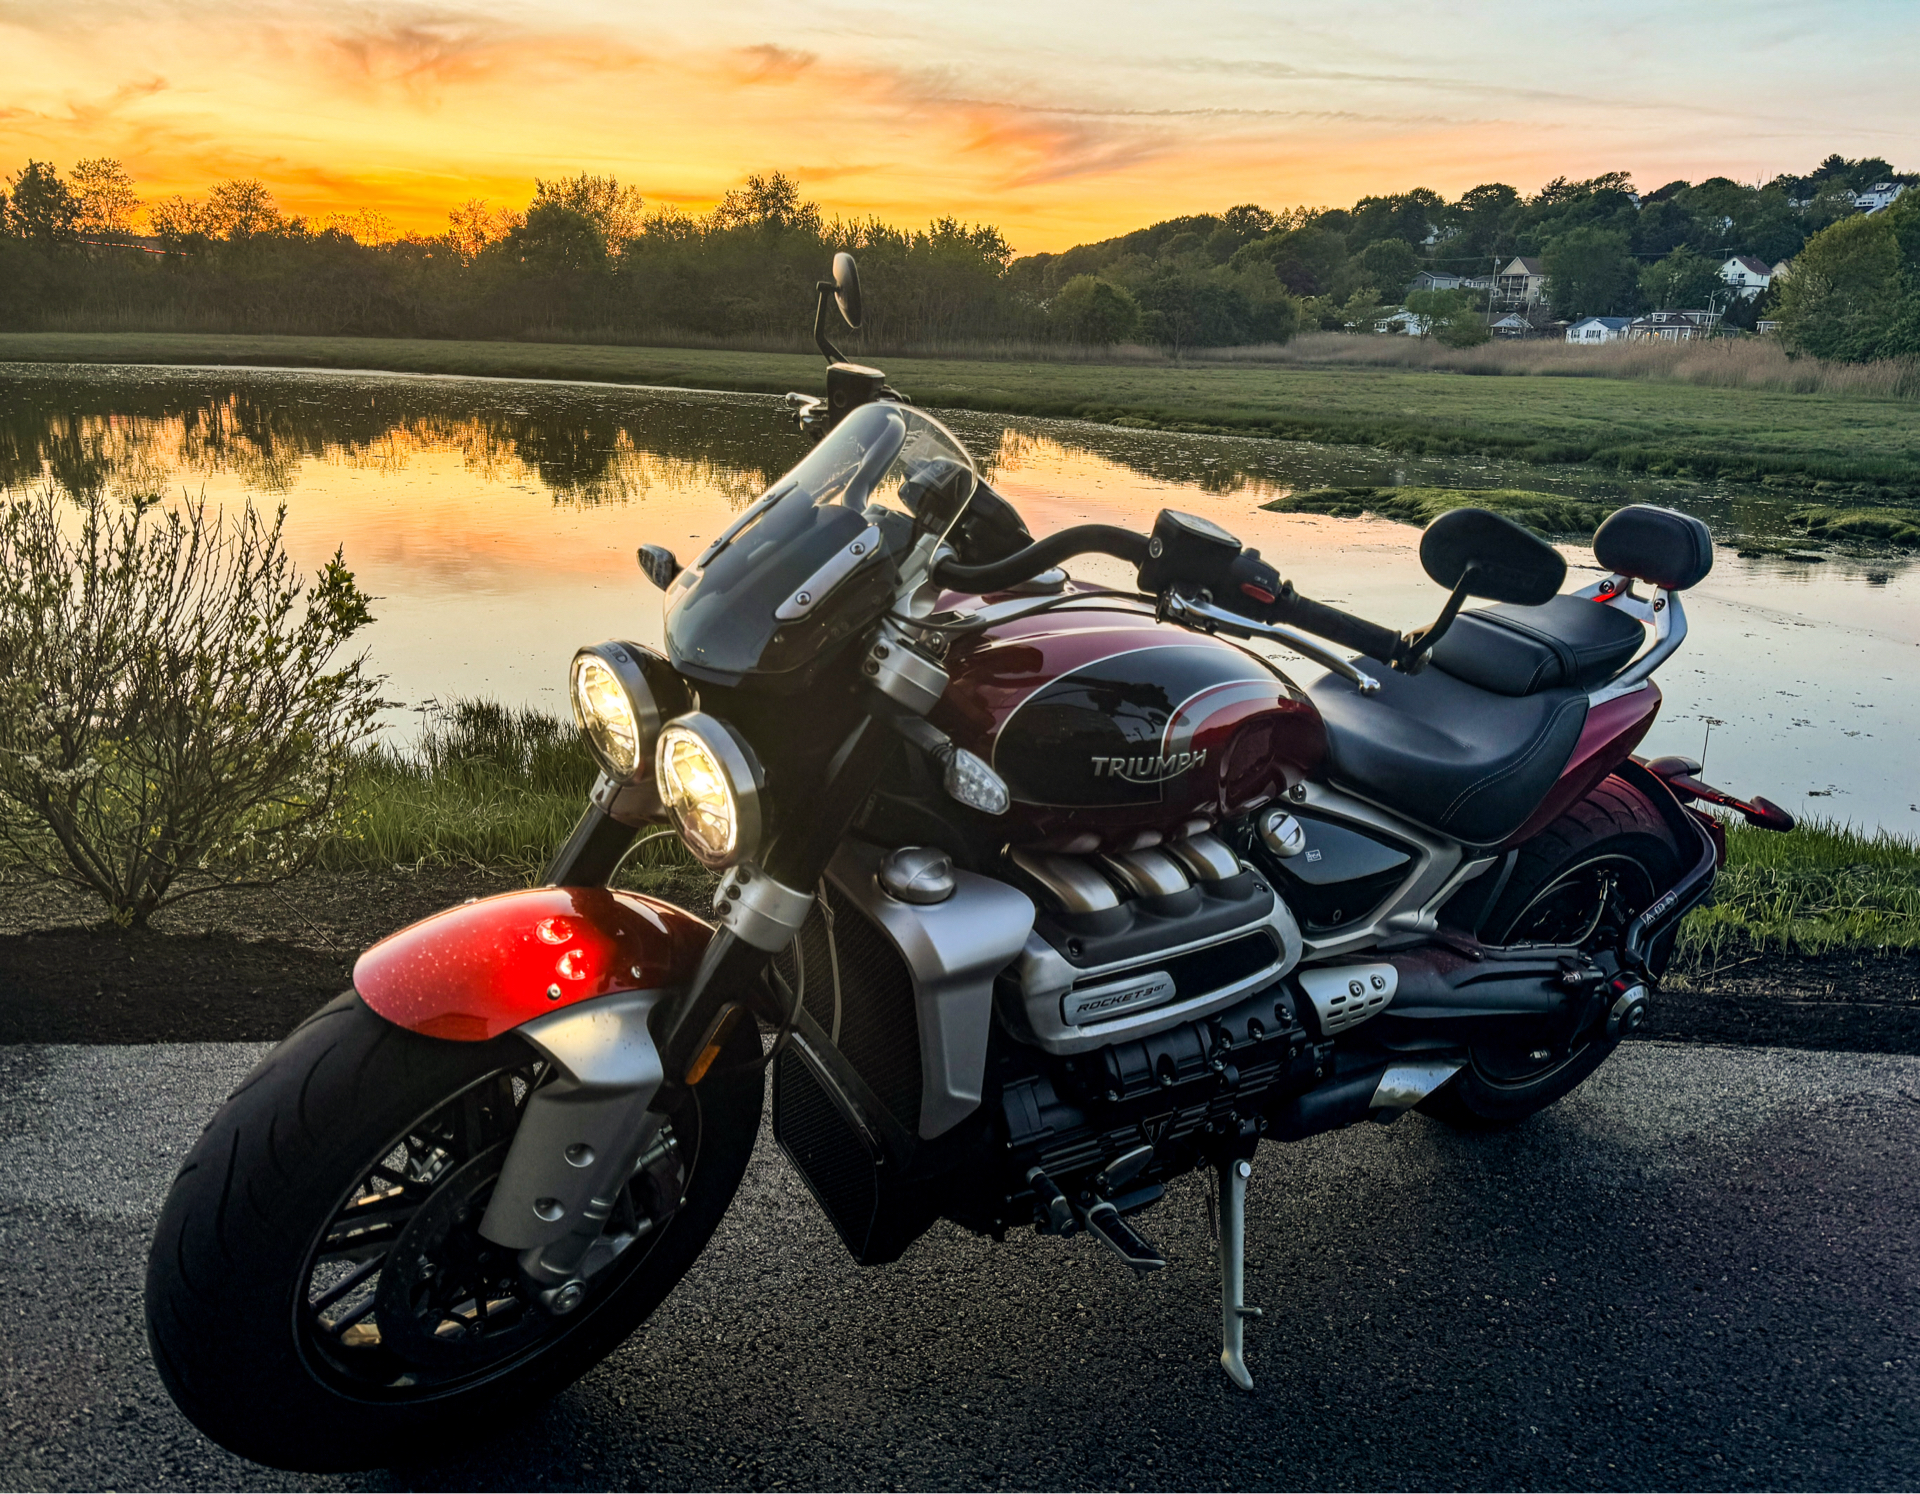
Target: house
column 1521, row 283
column 1782, row 270
column 1403, row 322
column 1879, row 196
column 1512, row 325
column 1598, row 329
column 1747, row 275
column 1672, row 326
column 1764, row 326
column 1476, row 282
column 1436, row 280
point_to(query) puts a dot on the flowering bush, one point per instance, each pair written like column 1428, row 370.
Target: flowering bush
column 171, row 716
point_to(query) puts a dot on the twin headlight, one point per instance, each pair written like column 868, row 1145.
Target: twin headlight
column 635, row 714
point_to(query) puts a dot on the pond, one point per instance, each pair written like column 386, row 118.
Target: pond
column 496, row 521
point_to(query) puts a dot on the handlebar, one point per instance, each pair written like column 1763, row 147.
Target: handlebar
column 1261, row 597
column 1082, row 539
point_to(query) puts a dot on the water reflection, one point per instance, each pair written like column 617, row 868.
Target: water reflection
column 495, row 522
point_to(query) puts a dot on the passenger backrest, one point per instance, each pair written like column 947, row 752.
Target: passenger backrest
column 1655, row 545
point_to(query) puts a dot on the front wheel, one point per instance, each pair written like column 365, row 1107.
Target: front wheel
column 1581, row 881
column 319, row 1296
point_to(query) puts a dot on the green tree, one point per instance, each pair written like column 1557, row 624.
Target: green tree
column 554, row 239
column 615, row 210
column 40, row 206
column 1093, row 311
column 1683, row 280
column 1589, row 273
column 104, row 198
column 1844, row 293
column 1388, row 264
column 1453, row 317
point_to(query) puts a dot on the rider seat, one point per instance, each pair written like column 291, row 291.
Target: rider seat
column 1510, row 650
column 1447, row 754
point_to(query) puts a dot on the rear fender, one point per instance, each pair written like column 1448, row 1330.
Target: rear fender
column 491, row 965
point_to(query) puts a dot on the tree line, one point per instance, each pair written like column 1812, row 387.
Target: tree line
column 588, row 257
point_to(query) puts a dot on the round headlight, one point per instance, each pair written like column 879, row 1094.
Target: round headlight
column 621, row 693
column 710, row 784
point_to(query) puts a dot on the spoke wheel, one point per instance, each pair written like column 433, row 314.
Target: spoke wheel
column 319, row 1295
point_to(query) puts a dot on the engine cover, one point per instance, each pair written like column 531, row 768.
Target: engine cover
column 1115, row 731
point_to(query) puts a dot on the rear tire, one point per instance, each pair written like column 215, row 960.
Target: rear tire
column 1580, row 881
column 301, row 1159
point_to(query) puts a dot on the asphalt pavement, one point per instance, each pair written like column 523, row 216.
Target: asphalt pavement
column 1700, row 1271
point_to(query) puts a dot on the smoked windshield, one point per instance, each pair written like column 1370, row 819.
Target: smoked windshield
column 883, row 478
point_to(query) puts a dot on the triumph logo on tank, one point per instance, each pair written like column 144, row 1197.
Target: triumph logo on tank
column 1149, row 769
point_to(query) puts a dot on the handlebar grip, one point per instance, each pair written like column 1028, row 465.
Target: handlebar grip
column 1339, row 627
column 1082, row 539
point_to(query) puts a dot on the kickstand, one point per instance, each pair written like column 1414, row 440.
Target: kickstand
column 1233, row 1271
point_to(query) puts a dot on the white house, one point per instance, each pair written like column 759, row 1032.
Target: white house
column 1672, row 326
column 1437, row 280
column 1747, row 275
column 1598, row 329
column 1404, row 322
column 1879, row 196
column 1522, row 282
column 1782, row 270
column 1512, row 325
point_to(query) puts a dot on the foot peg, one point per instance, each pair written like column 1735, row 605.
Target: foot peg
column 1104, row 1223
column 1233, row 1271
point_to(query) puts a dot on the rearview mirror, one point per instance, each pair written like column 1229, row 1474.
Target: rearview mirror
column 1480, row 554
column 846, row 289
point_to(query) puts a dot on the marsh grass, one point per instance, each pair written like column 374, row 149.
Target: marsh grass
column 485, row 785
column 1549, row 513
column 1822, row 888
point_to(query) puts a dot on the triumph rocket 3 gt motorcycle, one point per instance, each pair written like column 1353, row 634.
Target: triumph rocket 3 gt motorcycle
column 1034, row 895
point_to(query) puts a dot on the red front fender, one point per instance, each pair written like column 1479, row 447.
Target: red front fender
column 485, row 967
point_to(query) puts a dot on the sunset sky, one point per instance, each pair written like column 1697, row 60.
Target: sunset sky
column 1059, row 122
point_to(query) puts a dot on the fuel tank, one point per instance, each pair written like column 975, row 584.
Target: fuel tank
column 1115, row 731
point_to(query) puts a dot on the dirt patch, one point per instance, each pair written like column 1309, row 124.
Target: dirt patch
column 247, row 966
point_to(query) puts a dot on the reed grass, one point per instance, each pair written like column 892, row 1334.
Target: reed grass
column 1720, row 363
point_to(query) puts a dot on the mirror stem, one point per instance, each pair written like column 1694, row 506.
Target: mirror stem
column 832, row 353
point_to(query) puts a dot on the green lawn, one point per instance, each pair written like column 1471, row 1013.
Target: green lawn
column 1684, row 429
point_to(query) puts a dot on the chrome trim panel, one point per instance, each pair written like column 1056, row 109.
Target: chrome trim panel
column 1045, row 977
column 954, row 949
column 1344, row 996
column 1088, row 1004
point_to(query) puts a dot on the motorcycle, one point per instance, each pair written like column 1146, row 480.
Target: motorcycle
column 1033, row 896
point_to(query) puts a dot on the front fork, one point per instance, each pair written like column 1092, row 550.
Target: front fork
column 584, row 1133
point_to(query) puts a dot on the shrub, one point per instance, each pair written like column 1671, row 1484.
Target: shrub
column 170, row 717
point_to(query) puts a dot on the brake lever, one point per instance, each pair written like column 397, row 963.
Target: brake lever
column 1209, row 618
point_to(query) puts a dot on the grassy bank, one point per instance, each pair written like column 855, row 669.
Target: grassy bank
column 1870, row 445
column 491, row 787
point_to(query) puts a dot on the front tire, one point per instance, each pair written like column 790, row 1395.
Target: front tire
column 1581, row 881
column 318, row 1297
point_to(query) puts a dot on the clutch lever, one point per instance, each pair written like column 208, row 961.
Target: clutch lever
column 1209, row 618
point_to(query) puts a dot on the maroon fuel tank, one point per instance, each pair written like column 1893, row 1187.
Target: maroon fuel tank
column 1116, row 731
